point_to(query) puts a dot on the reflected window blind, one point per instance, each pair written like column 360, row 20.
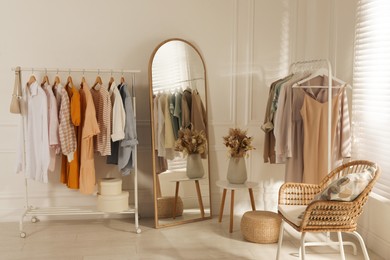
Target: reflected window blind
column 177, row 164
column 169, row 66
column 371, row 88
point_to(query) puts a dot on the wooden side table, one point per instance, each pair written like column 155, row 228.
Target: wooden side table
column 225, row 185
column 200, row 201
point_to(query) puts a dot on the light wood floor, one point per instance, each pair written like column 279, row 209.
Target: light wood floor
column 116, row 239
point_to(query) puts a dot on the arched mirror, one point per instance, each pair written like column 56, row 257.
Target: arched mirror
column 178, row 101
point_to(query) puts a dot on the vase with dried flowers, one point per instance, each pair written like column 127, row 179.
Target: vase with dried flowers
column 193, row 144
column 238, row 144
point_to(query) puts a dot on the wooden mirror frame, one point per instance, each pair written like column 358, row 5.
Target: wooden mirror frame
column 150, row 76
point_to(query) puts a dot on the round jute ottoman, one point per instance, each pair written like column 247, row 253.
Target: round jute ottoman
column 260, row 226
column 165, row 206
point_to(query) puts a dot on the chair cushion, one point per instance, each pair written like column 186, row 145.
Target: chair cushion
column 292, row 213
column 348, row 187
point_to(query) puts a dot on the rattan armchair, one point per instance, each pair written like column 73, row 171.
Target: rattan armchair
column 321, row 215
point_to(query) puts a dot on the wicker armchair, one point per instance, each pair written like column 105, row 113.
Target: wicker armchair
column 321, row 215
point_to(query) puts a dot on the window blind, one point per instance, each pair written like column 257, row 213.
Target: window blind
column 371, row 88
column 170, row 66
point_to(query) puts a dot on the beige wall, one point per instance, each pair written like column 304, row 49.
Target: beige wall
column 246, row 45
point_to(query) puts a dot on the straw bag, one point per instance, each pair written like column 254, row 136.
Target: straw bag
column 17, row 94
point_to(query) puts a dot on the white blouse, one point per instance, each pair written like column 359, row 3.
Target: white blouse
column 118, row 114
column 33, row 154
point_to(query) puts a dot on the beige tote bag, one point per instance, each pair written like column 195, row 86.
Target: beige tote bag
column 17, row 94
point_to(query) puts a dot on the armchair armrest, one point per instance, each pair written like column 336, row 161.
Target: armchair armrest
column 297, row 193
column 324, row 215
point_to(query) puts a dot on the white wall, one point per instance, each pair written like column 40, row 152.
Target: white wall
column 246, row 45
column 100, row 34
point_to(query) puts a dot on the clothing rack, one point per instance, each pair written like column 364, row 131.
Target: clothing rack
column 33, row 212
column 310, row 65
column 70, row 70
column 162, row 87
column 317, row 64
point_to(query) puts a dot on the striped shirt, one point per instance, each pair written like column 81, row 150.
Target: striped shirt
column 102, row 101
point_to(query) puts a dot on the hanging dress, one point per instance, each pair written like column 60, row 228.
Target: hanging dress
column 89, row 128
column 315, row 149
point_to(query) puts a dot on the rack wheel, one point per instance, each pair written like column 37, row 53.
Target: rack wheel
column 34, row 220
column 23, row 234
column 138, row 231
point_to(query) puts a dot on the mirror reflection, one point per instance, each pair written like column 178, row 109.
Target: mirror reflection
column 179, row 134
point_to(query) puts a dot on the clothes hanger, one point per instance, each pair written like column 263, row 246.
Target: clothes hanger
column 32, row 79
column 122, row 79
column 98, row 80
column 57, row 80
column 45, row 79
column 83, row 81
column 322, row 72
column 69, row 81
column 111, row 81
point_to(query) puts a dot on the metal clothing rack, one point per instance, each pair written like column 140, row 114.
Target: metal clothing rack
column 311, row 65
column 33, row 212
column 162, row 87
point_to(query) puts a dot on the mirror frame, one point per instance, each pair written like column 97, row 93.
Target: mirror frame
column 178, row 222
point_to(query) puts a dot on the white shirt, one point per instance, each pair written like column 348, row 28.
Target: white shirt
column 22, row 137
column 161, row 125
column 53, row 125
column 118, row 114
column 34, row 156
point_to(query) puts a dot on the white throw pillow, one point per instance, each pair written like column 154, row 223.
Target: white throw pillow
column 348, row 187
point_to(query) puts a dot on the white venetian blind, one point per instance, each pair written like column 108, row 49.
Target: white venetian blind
column 170, row 66
column 371, row 88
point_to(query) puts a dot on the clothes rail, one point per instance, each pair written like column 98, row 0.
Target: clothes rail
column 162, row 86
column 70, row 70
column 33, row 212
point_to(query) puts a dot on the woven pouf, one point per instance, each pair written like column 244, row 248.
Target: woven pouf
column 165, row 206
column 260, row 226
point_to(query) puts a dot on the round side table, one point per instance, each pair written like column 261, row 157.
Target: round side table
column 225, row 185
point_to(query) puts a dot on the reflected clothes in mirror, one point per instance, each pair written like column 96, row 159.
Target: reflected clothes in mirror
column 186, row 105
column 198, row 113
column 178, row 109
column 161, row 163
column 174, row 119
column 190, row 106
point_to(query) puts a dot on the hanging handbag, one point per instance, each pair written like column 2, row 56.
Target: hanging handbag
column 17, row 94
